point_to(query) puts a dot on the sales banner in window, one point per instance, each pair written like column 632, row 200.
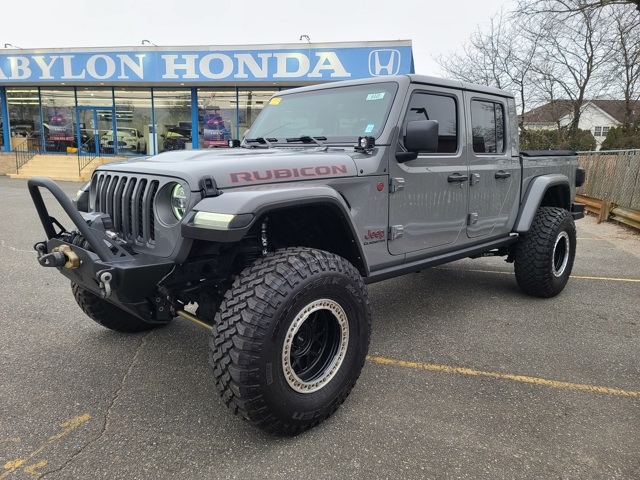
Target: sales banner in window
column 216, row 131
column 60, row 125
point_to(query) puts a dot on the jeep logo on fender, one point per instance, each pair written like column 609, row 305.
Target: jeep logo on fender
column 285, row 173
column 374, row 236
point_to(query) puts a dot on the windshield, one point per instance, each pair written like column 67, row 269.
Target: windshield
column 339, row 114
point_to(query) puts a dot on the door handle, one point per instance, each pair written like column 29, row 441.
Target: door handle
column 503, row 174
column 456, row 177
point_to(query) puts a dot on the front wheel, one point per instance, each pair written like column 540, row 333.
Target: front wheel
column 290, row 339
column 545, row 254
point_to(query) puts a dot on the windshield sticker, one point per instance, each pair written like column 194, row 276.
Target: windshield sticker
column 369, row 128
column 376, row 96
column 275, row 101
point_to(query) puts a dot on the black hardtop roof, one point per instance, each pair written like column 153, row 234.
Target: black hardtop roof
column 405, row 80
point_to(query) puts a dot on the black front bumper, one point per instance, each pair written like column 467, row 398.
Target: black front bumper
column 126, row 279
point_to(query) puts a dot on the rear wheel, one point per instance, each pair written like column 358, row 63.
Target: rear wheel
column 290, row 339
column 545, row 254
column 107, row 314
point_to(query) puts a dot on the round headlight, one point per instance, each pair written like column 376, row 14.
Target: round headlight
column 178, row 201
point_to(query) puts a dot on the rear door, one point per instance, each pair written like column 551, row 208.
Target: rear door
column 493, row 172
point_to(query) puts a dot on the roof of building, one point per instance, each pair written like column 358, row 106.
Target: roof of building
column 617, row 108
column 552, row 112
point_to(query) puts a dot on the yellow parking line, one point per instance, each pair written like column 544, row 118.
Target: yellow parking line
column 505, row 376
column 582, row 277
column 68, row 426
column 610, row 279
column 32, row 468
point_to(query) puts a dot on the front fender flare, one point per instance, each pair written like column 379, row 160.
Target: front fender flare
column 533, row 198
column 252, row 203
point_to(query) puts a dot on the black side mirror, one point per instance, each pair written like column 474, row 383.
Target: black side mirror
column 421, row 136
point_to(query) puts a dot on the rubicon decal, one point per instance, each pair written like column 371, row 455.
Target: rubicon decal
column 286, row 173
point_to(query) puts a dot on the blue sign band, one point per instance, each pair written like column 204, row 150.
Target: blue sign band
column 158, row 67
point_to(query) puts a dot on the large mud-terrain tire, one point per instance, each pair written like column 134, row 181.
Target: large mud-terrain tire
column 290, row 339
column 545, row 254
column 107, row 314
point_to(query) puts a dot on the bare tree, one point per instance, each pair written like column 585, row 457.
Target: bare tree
column 573, row 55
column 558, row 53
column 625, row 58
column 534, row 7
column 499, row 57
column 482, row 57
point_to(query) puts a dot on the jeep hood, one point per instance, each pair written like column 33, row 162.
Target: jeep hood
column 240, row 167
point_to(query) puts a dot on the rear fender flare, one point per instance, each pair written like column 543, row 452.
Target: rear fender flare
column 534, row 196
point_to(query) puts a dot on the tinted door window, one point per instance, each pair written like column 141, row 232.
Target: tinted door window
column 426, row 106
column 487, row 122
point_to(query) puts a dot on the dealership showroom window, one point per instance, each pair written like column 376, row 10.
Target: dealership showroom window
column 69, row 111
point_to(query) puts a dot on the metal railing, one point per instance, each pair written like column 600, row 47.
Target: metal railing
column 25, row 151
column 30, row 147
column 86, row 154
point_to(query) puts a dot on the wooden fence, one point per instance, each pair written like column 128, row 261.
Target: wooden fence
column 612, row 176
column 612, row 186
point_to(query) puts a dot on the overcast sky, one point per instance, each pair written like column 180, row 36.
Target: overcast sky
column 434, row 27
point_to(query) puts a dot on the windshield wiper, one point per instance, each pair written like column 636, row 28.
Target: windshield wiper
column 262, row 141
column 307, row 139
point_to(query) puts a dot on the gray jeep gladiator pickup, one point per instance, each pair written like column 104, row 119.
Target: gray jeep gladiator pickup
column 271, row 245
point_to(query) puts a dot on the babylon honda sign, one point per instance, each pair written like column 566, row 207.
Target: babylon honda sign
column 230, row 64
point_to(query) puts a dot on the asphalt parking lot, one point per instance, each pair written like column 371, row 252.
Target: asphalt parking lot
column 466, row 378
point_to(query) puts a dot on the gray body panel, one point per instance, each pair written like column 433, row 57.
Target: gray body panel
column 494, row 189
column 534, row 167
column 431, row 210
column 237, row 167
column 437, row 217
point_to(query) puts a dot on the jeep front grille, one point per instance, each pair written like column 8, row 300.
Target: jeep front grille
column 129, row 201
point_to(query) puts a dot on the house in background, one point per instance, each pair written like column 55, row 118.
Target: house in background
column 598, row 116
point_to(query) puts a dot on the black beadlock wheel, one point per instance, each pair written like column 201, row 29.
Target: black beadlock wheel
column 107, row 314
column 290, row 339
column 545, row 254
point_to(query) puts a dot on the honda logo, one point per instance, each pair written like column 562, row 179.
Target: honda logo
column 384, row 62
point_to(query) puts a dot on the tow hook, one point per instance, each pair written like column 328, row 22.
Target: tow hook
column 41, row 248
column 61, row 256
column 105, row 283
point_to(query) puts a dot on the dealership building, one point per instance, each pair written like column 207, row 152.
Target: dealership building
column 148, row 99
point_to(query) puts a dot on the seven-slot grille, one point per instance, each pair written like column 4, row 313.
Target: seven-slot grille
column 129, row 201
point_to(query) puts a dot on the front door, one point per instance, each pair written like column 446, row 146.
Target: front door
column 95, row 130
column 428, row 196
